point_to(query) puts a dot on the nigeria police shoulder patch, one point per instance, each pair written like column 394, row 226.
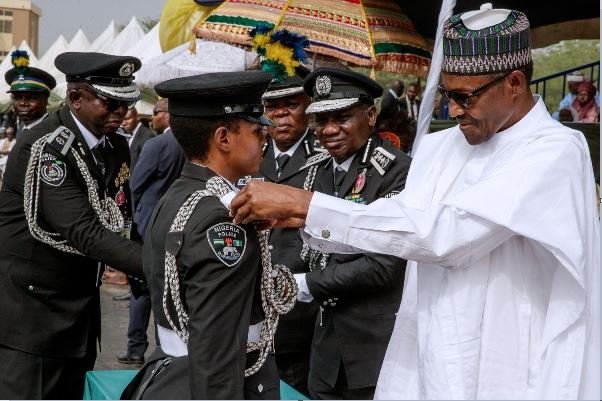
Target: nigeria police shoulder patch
column 52, row 170
column 228, row 241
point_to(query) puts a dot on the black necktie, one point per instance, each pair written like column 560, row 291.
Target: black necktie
column 97, row 152
column 281, row 160
column 339, row 176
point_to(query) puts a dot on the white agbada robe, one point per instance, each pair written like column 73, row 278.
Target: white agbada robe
column 503, row 301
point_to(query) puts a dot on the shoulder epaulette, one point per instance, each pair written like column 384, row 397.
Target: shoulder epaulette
column 61, row 140
column 123, row 133
column 316, row 159
column 382, row 159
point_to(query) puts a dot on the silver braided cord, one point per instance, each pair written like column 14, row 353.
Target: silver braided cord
column 171, row 288
column 106, row 210
column 278, row 285
column 311, row 257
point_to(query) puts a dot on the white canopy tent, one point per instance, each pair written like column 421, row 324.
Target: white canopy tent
column 79, row 43
column 148, row 47
column 181, row 62
column 105, row 40
column 131, row 34
column 59, row 46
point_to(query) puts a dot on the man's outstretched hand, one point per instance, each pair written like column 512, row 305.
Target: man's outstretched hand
column 273, row 205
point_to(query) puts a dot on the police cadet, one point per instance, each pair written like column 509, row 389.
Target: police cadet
column 60, row 211
column 358, row 294
column 291, row 142
column 204, row 272
column 29, row 88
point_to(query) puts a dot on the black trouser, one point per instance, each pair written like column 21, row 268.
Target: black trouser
column 320, row 390
column 293, row 368
column 35, row 377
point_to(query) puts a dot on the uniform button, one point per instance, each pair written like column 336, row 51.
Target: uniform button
column 325, row 303
column 30, row 288
column 333, row 304
column 271, row 247
column 179, row 243
column 336, row 299
column 260, row 388
column 329, row 299
column 325, row 233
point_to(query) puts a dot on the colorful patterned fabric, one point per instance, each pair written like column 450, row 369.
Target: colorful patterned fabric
column 494, row 49
column 372, row 33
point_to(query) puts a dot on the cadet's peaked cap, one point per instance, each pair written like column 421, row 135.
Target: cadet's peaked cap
column 217, row 95
column 290, row 86
column 109, row 75
column 29, row 79
column 486, row 41
column 334, row 89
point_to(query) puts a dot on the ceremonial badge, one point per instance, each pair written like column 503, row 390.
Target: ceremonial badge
column 360, row 182
column 323, row 85
column 123, row 176
column 126, row 70
column 120, row 197
column 52, row 170
column 228, row 242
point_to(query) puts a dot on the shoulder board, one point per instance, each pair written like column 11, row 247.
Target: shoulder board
column 316, row 159
column 123, row 133
column 247, row 179
column 61, row 140
column 265, row 147
column 382, row 160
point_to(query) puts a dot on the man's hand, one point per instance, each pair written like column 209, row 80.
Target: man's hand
column 280, row 205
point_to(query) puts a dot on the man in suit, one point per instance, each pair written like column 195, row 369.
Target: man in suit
column 202, row 269
column 410, row 103
column 358, row 294
column 71, row 172
column 390, row 101
column 159, row 165
column 290, row 144
column 160, row 118
column 139, row 134
column 29, row 88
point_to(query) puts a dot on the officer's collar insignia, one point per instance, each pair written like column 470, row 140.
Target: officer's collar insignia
column 126, row 70
column 52, row 170
column 265, row 147
column 382, row 160
column 228, row 242
column 316, row 159
column 323, row 85
column 360, row 182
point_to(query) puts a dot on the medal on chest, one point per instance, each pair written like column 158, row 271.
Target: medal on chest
column 358, row 186
column 122, row 177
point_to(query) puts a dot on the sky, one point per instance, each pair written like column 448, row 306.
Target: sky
column 92, row 16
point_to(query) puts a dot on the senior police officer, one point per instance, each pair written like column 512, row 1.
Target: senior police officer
column 61, row 208
column 29, row 88
column 290, row 144
column 203, row 271
column 358, row 294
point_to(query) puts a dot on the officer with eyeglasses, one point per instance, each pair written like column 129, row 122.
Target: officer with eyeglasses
column 65, row 209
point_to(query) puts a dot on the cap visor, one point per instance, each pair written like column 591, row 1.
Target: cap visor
column 126, row 93
column 261, row 120
column 324, row 106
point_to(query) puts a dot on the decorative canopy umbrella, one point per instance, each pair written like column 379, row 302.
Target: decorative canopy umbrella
column 371, row 33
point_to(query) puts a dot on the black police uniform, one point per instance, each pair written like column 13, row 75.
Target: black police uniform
column 359, row 294
column 49, row 299
column 217, row 294
column 295, row 329
column 218, row 264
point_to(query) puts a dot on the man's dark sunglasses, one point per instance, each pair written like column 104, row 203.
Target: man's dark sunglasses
column 463, row 99
column 112, row 104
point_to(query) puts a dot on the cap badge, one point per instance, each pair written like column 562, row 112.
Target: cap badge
column 323, row 85
column 21, row 77
column 126, row 70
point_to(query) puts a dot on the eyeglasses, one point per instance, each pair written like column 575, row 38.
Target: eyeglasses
column 463, row 99
column 155, row 112
column 112, row 104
